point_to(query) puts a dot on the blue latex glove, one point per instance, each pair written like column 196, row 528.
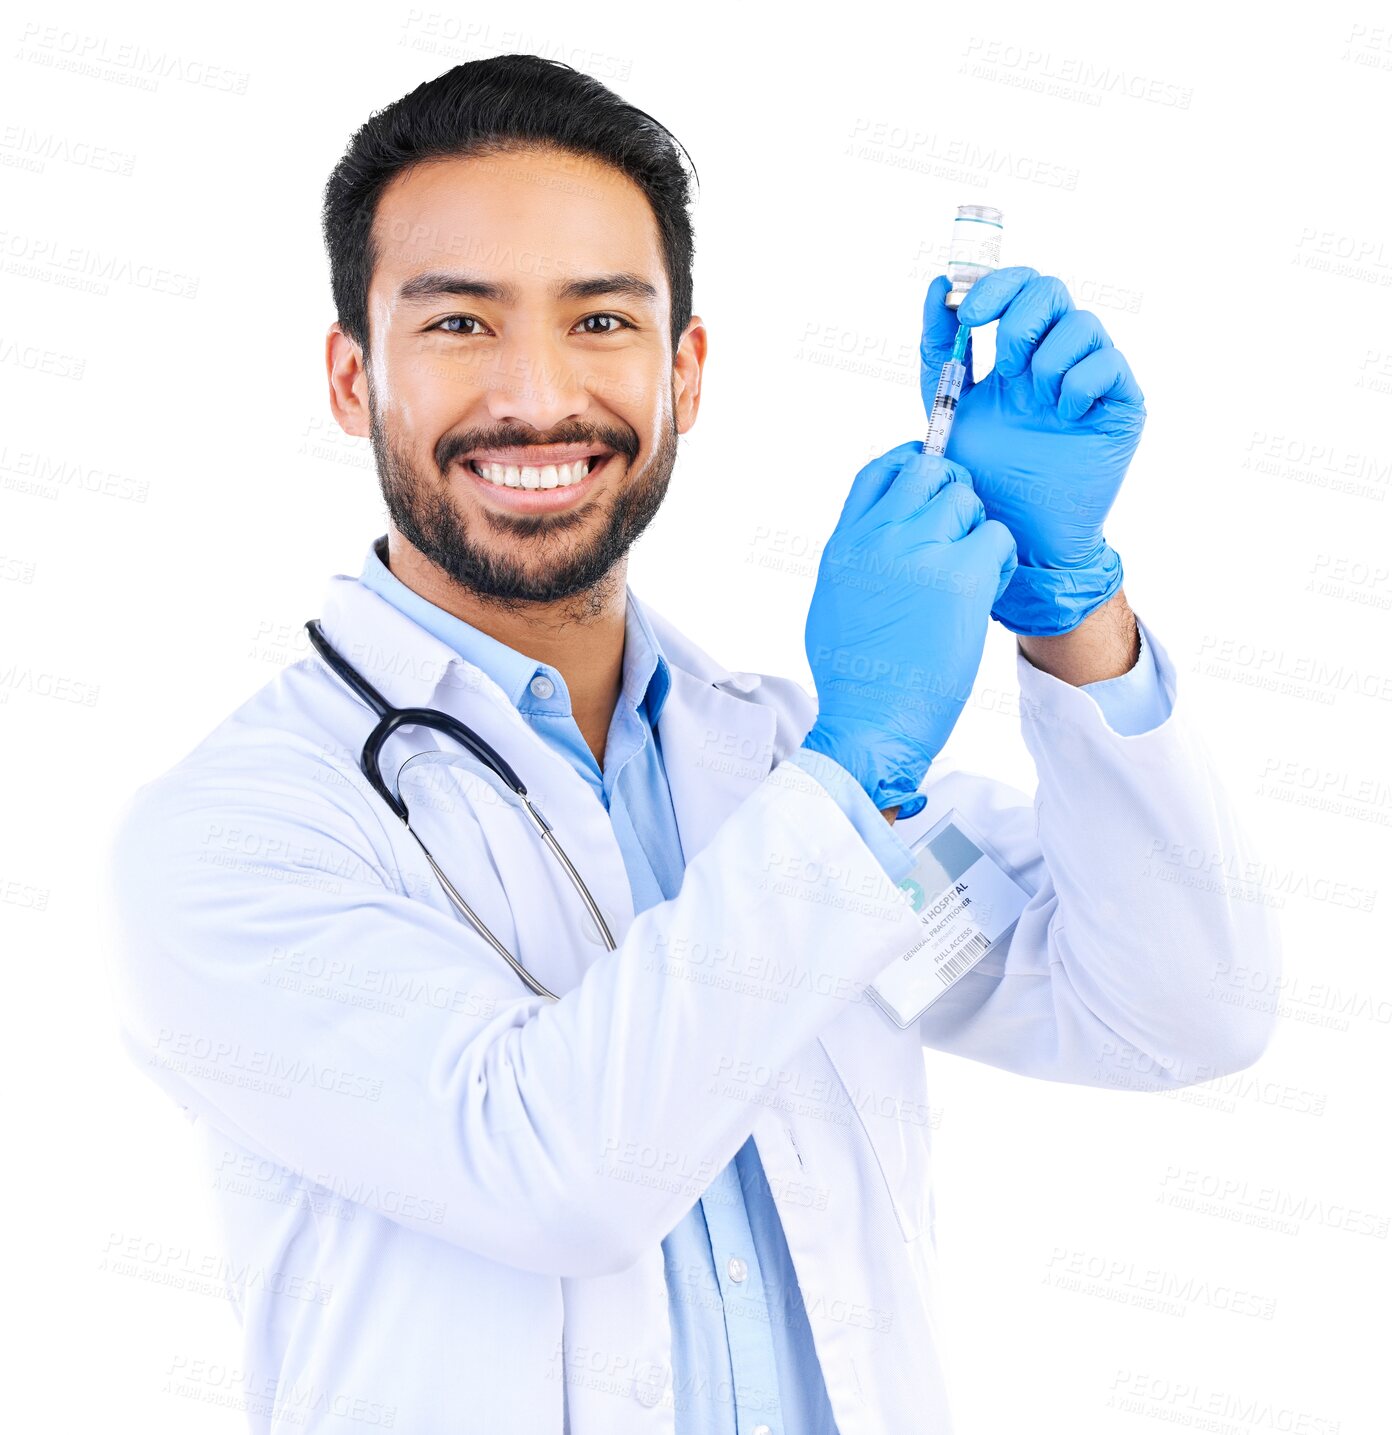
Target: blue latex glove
column 1047, row 436
column 898, row 619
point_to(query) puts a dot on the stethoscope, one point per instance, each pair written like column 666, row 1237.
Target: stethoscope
column 389, row 719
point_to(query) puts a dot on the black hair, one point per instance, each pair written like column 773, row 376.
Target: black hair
column 488, row 107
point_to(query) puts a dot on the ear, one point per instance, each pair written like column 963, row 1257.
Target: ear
column 347, row 383
column 687, row 365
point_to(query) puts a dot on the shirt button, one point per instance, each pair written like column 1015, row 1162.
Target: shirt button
column 761, row 1430
column 737, row 1269
column 542, row 686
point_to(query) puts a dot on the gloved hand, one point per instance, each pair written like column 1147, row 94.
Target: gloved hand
column 898, row 619
column 1047, row 436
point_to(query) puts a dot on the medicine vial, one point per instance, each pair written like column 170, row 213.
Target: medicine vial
column 976, row 247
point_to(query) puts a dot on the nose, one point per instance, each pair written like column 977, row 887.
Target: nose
column 536, row 382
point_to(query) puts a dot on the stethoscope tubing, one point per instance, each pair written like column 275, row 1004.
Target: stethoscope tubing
column 389, row 719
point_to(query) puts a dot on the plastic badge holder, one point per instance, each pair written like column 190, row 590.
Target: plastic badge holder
column 967, row 902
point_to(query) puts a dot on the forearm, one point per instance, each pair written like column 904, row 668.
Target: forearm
column 516, row 1120
column 1104, row 645
column 1135, row 961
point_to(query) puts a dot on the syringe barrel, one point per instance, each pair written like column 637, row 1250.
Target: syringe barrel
column 944, row 407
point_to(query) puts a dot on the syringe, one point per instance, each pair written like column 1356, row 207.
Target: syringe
column 944, row 410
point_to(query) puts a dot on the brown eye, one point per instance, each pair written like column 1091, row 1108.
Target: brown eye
column 621, row 323
column 451, row 318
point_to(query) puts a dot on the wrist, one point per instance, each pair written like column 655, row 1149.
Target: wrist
column 1049, row 602
column 846, row 746
column 889, row 777
column 1106, row 644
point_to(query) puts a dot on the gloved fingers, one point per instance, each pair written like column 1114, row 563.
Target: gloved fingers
column 935, row 347
column 873, row 481
column 947, row 514
column 939, row 325
column 990, row 296
column 1000, row 543
column 919, row 484
column 1027, row 319
column 1104, row 377
column 1071, row 340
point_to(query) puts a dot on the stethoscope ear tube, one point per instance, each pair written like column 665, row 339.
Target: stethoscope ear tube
column 349, row 674
column 576, row 881
column 393, row 718
column 478, row 924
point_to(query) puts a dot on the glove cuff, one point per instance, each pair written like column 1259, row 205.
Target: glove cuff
column 1044, row 602
column 857, row 757
column 908, row 806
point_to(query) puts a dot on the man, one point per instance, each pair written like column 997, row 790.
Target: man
column 465, row 1201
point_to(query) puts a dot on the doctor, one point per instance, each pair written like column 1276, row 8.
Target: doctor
column 692, row 1192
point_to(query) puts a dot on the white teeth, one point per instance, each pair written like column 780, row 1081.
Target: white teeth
column 553, row 475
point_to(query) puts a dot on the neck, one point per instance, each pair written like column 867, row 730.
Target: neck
column 582, row 637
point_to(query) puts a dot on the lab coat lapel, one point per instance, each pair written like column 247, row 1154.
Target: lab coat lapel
column 717, row 748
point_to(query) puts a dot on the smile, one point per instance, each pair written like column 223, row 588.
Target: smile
column 551, row 475
column 537, row 488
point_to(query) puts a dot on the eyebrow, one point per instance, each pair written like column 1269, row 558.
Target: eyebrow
column 440, row 283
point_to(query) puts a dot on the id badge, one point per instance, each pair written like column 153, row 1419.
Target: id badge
column 966, row 902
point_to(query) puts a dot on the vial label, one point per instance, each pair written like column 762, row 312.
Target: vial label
column 975, row 249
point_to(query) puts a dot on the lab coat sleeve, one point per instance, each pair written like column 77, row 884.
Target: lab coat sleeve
column 278, row 978
column 1138, row 960
column 1132, row 703
column 1135, row 701
column 856, row 803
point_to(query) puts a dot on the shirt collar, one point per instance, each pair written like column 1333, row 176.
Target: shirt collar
column 531, row 686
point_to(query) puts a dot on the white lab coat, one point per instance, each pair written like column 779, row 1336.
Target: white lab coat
column 443, row 1199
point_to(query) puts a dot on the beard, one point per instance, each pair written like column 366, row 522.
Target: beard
column 563, row 558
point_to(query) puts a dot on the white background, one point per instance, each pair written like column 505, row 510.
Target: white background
column 1211, row 182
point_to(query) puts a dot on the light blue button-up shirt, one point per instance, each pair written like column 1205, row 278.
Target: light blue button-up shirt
column 743, row 1360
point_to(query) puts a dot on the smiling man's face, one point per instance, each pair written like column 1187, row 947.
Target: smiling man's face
column 521, row 392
